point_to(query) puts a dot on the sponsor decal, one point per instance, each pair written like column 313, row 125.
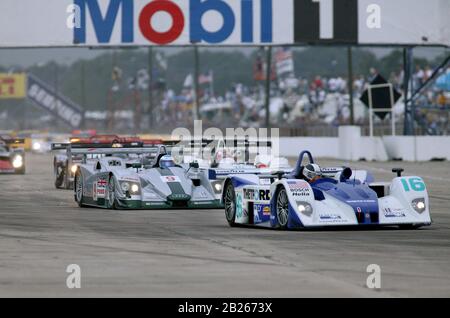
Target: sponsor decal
column 299, row 189
column 266, row 182
column 264, row 195
column 139, row 21
column 394, row 213
column 261, row 210
column 99, row 189
column 12, row 86
column 256, row 195
column 239, row 208
column 249, row 194
column 361, row 201
column 331, row 218
column 169, row 179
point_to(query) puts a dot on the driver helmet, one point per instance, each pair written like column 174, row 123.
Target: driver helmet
column 312, row 172
column 166, row 162
column 262, row 161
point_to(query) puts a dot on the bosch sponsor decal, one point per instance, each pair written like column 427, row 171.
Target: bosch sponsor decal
column 99, row 189
column 299, row 189
column 394, row 213
column 170, row 179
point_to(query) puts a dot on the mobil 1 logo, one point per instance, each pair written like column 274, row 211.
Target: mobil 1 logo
column 326, row 21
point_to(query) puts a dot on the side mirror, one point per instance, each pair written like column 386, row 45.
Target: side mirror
column 194, row 165
column 398, row 171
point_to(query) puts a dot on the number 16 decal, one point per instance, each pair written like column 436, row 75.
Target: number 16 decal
column 413, row 184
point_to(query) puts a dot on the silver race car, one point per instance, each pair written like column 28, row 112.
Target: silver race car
column 140, row 178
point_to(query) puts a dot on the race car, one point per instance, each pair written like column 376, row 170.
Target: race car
column 65, row 163
column 228, row 154
column 222, row 158
column 12, row 159
column 140, row 178
column 340, row 197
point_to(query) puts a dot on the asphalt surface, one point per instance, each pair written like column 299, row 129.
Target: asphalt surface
column 196, row 254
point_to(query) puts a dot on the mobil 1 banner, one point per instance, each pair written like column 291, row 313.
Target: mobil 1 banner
column 46, row 98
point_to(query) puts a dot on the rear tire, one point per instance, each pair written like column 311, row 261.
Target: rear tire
column 229, row 200
column 282, row 209
column 79, row 189
column 59, row 176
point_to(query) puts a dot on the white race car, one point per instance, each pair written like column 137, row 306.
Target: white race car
column 342, row 197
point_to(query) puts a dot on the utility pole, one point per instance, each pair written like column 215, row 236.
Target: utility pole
column 268, row 81
column 83, row 91
column 350, row 85
column 150, row 86
column 196, row 84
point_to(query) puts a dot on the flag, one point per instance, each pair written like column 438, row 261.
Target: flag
column 189, row 81
column 206, row 78
column 284, row 61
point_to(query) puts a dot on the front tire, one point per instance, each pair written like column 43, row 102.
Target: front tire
column 79, row 189
column 282, row 208
column 230, row 204
column 111, row 197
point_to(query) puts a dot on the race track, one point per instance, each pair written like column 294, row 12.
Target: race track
column 195, row 253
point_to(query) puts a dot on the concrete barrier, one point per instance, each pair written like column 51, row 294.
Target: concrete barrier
column 350, row 145
column 421, row 148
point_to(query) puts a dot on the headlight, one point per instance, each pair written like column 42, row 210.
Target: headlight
column 36, row 146
column 218, row 187
column 17, row 162
column 419, row 205
column 74, row 169
column 134, row 188
column 305, row 208
column 125, row 186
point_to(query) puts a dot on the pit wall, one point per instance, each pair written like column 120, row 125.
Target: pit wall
column 350, row 145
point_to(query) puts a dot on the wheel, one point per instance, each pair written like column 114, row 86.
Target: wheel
column 111, row 193
column 230, row 204
column 59, row 177
column 282, row 209
column 79, row 189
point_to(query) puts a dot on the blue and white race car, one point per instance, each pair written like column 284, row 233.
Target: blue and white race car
column 340, row 197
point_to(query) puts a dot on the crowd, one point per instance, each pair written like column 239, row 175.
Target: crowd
column 299, row 101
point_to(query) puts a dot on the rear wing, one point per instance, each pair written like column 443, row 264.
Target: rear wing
column 237, row 142
column 13, row 141
column 218, row 174
column 73, row 146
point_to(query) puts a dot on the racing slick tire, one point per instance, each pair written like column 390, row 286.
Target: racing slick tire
column 282, row 208
column 59, row 176
column 66, row 179
column 79, row 189
column 111, row 194
column 229, row 200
